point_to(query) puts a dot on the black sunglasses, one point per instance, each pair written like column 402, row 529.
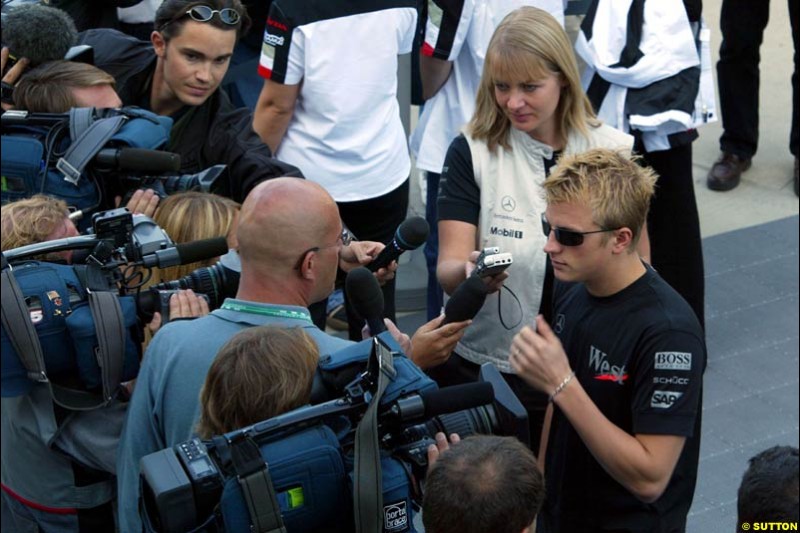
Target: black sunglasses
column 567, row 237
column 203, row 13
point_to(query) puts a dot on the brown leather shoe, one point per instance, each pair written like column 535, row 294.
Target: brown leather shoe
column 727, row 172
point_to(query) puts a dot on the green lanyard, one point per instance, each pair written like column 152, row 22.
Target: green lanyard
column 267, row 311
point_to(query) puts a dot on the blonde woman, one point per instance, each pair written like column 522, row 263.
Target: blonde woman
column 530, row 109
column 191, row 216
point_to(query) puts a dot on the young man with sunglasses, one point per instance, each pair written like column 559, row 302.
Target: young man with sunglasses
column 178, row 74
column 622, row 365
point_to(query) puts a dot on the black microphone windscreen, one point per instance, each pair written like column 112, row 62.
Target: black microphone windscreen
column 148, row 161
column 38, row 32
column 466, row 301
column 456, row 398
column 412, row 233
column 364, row 293
column 190, row 252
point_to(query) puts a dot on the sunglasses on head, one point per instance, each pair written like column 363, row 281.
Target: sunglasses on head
column 568, row 237
column 204, row 13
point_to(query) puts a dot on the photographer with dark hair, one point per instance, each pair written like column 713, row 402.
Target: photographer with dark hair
column 178, row 74
column 483, row 484
column 770, row 489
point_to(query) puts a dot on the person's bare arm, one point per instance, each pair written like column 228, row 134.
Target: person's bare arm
column 274, row 111
column 433, row 73
column 456, row 242
column 14, row 73
column 643, row 464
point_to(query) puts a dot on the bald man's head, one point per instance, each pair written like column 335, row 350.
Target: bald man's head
column 283, row 217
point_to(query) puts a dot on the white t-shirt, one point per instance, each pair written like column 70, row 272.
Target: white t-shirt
column 346, row 132
column 462, row 36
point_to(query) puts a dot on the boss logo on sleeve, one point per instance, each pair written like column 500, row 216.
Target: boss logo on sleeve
column 673, row 361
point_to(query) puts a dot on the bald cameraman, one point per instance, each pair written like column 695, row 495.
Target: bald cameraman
column 288, row 261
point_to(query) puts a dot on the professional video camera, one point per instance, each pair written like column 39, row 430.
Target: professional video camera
column 307, row 460
column 76, row 327
column 89, row 156
column 215, row 282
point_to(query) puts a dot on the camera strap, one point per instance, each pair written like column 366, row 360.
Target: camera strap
column 23, row 336
column 110, row 329
column 256, row 484
column 368, row 491
column 88, row 137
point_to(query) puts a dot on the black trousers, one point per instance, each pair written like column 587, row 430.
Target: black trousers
column 458, row 370
column 674, row 226
column 742, row 23
column 375, row 219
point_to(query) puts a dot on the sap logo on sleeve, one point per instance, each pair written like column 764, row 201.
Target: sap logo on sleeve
column 673, row 361
column 664, row 399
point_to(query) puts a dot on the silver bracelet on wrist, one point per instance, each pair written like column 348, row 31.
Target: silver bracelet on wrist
column 561, row 386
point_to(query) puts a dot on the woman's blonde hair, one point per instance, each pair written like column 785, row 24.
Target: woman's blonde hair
column 259, row 373
column 528, row 45
column 191, row 216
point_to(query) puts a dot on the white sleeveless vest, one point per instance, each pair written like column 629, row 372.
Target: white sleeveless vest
column 510, row 218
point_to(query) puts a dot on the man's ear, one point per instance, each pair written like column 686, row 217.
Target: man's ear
column 307, row 265
column 159, row 43
column 622, row 240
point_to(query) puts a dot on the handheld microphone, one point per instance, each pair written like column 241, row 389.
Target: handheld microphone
column 430, row 403
column 38, row 32
column 138, row 160
column 411, row 234
column 186, row 253
column 466, row 301
column 365, row 295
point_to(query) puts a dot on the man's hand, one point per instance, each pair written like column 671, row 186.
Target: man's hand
column 182, row 304
column 494, row 283
column 13, row 75
column 402, row 339
column 143, row 201
column 360, row 253
column 538, row 357
column 433, row 343
column 441, row 446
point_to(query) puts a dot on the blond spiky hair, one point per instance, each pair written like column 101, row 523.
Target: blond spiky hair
column 613, row 184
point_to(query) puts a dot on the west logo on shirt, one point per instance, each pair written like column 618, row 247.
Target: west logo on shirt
column 605, row 371
column 673, row 361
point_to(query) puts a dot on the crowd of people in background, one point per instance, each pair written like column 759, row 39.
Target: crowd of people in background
column 585, row 178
